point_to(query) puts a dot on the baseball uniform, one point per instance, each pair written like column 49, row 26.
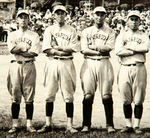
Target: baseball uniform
column 23, row 45
column 97, row 71
column 60, row 70
column 59, row 43
column 22, row 72
column 131, row 46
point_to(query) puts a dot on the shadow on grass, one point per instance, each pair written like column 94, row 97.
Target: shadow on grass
column 59, row 131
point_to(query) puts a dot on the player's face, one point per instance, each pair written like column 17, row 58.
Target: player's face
column 60, row 16
column 23, row 20
column 133, row 22
column 99, row 17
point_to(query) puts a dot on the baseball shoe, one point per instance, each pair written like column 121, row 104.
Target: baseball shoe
column 45, row 129
column 31, row 129
column 137, row 130
column 110, row 129
column 85, row 129
column 13, row 130
column 71, row 130
column 127, row 130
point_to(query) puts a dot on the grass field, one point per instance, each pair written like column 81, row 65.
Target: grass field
column 59, row 115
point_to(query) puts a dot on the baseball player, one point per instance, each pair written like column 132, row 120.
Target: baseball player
column 23, row 45
column 96, row 43
column 131, row 46
column 60, row 41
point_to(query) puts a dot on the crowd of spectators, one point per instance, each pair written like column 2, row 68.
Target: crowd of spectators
column 80, row 18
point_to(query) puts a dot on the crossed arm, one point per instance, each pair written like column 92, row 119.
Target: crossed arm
column 19, row 51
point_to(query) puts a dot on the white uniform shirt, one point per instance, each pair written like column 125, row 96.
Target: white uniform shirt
column 92, row 37
column 65, row 36
column 136, row 40
column 29, row 40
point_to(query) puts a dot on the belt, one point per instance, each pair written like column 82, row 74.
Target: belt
column 95, row 58
column 22, row 62
column 59, row 58
column 136, row 64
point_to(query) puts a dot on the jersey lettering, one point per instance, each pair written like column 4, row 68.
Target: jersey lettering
column 134, row 39
column 24, row 40
column 63, row 36
column 99, row 36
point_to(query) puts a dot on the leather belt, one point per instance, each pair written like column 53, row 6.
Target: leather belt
column 59, row 58
column 136, row 64
column 22, row 62
column 95, row 58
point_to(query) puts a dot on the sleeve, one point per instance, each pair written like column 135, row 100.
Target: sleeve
column 144, row 46
column 119, row 43
column 74, row 41
column 110, row 42
column 84, row 41
column 11, row 42
column 35, row 48
column 46, row 40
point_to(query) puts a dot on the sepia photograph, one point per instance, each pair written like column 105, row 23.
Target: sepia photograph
column 75, row 68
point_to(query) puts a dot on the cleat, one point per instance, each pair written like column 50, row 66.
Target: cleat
column 31, row 129
column 71, row 130
column 110, row 129
column 13, row 130
column 127, row 130
column 137, row 130
column 85, row 129
column 45, row 129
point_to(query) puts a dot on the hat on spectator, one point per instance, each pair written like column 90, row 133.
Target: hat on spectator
column 22, row 11
column 99, row 9
column 59, row 7
column 134, row 13
column 56, row 3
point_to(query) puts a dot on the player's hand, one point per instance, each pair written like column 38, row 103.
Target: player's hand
column 59, row 48
column 93, row 47
column 129, row 47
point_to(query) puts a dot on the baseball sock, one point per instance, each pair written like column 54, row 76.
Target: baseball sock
column 29, row 110
column 108, row 106
column 49, row 112
column 69, row 112
column 128, row 114
column 29, row 113
column 15, row 108
column 127, row 110
column 69, row 109
column 138, row 110
column 87, row 112
column 49, row 108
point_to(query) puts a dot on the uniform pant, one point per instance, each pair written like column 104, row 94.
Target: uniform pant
column 132, row 82
column 60, row 73
column 97, row 73
column 21, row 81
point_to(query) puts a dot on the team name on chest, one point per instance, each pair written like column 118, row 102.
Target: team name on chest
column 63, row 36
column 134, row 39
column 99, row 36
column 24, row 40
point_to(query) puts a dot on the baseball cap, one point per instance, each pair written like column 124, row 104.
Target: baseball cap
column 59, row 7
column 22, row 11
column 99, row 9
column 134, row 13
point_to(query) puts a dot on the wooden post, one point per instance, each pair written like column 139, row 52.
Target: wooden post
column 67, row 2
column 25, row 4
column 103, row 2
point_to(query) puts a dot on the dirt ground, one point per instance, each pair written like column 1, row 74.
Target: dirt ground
column 59, row 115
